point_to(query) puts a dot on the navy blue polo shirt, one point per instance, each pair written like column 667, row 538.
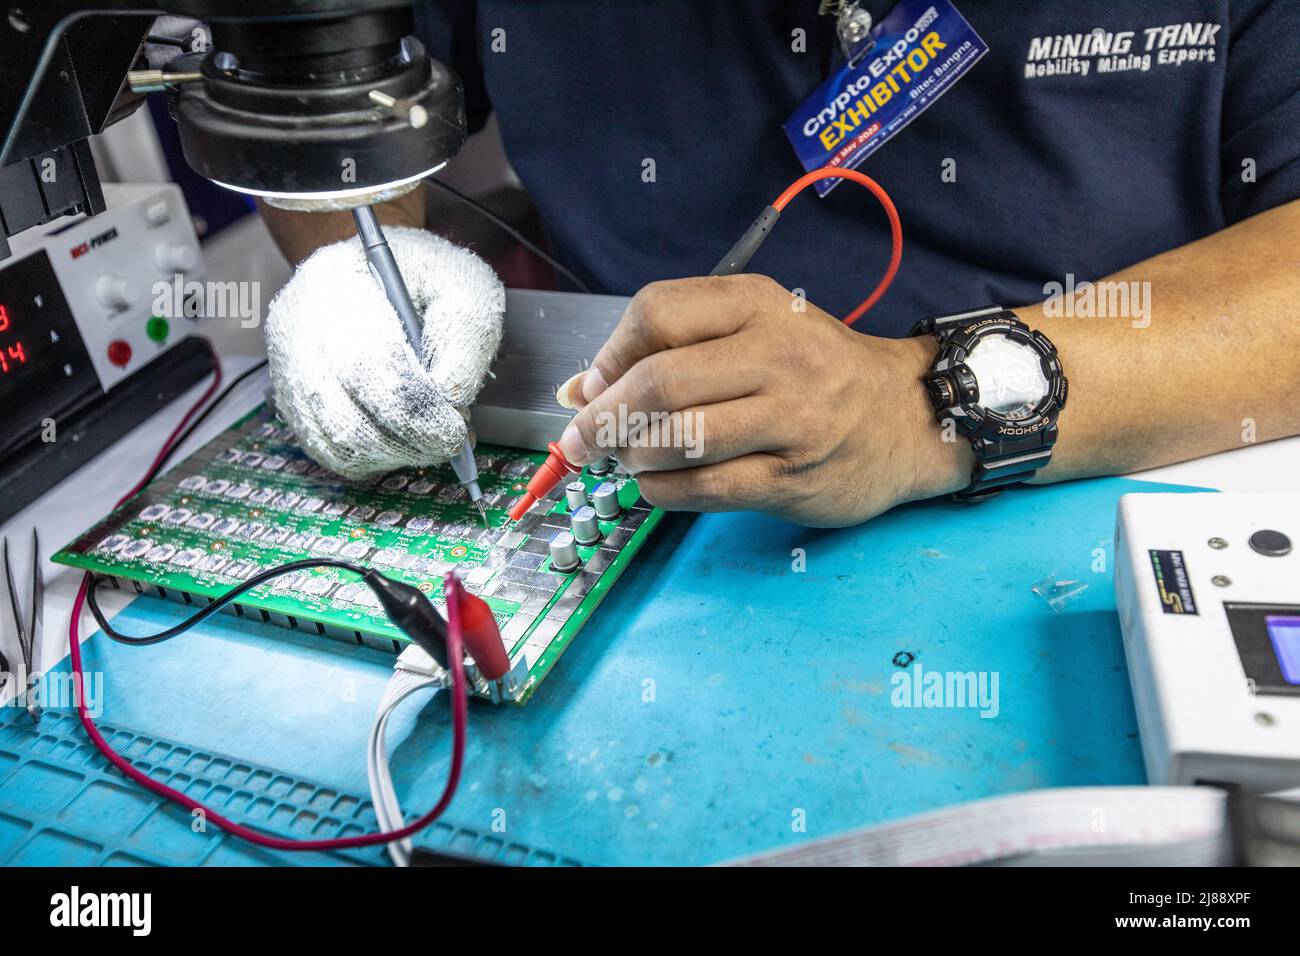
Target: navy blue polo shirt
column 1065, row 161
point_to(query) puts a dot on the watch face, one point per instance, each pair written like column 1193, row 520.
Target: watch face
column 1009, row 374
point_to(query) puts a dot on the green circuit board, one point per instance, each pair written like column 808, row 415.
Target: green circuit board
column 251, row 500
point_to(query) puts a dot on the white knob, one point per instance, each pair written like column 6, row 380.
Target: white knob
column 175, row 257
column 115, row 292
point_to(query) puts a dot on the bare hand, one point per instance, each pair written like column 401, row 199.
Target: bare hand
column 729, row 393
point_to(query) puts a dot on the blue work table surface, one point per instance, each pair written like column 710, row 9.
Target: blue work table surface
column 741, row 688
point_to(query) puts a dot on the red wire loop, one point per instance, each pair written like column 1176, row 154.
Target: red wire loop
column 895, row 225
column 460, row 711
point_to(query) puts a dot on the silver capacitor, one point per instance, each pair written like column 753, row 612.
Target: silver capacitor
column 605, row 500
column 575, row 493
column 601, row 466
column 564, row 553
column 586, row 526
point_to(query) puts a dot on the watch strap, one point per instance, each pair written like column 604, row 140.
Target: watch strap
column 999, row 464
column 940, row 325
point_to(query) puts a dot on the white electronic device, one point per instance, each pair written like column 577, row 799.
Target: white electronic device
column 87, row 307
column 1208, row 592
column 110, row 270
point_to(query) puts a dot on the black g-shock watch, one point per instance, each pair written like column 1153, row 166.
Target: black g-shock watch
column 1001, row 385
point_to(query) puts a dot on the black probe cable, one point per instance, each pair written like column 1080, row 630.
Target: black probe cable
column 215, row 606
column 514, row 233
column 202, row 416
column 407, row 607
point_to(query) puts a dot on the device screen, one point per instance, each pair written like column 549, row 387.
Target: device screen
column 1268, row 642
column 1284, row 632
column 44, row 368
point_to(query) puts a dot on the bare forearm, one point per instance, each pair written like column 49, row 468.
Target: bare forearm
column 299, row 234
column 1217, row 367
column 1206, row 358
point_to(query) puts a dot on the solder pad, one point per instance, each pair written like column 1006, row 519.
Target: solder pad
column 250, row 500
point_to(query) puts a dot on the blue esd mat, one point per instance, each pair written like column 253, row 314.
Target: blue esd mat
column 742, row 688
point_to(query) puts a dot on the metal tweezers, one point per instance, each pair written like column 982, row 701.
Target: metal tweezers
column 28, row 629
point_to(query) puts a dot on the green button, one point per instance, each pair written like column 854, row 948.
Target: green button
column 157, row 328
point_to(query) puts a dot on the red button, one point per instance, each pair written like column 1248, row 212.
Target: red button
column 119, row 352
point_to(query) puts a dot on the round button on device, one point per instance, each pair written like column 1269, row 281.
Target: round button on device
column 115, row 292
column 175, row 257
column 157, row 329
column 119, row 352
column 1273, row 544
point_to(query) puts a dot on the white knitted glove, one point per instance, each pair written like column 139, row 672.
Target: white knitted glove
column 346, row 380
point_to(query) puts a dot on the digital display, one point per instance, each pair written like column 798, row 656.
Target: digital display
column 13, row 352
column 1267, row 637
column 1284, row 633
column 44, row 368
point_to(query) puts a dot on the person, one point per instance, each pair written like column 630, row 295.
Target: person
column 649, row 136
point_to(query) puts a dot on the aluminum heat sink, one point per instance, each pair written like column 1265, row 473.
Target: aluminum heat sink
column 549, row 336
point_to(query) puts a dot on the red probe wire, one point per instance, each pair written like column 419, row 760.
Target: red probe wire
column 895, row 226
column 544, row 479
column 557, row 466
column 454, row 592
